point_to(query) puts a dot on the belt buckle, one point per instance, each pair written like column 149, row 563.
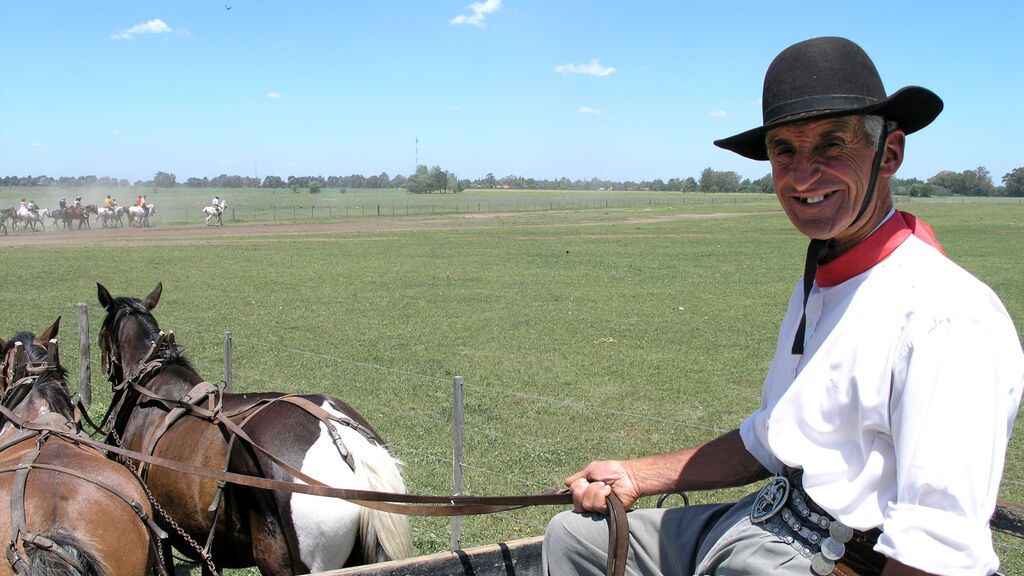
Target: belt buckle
column 770, row 500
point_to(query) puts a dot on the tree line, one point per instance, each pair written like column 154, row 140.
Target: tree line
column 977, row 182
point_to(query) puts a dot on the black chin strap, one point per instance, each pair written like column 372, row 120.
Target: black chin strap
column 817, row 249
column 815, row 254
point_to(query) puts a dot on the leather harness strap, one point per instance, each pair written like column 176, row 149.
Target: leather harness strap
column 410, row 504
column 618, row 537
column 44, row 428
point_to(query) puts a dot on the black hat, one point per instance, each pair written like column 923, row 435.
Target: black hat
column 824, row 78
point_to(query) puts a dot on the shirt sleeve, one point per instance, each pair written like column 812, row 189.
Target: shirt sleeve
column 954, row 399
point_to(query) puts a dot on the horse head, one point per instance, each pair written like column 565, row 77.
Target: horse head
column 34, row 382
column 128, row 332
column 25, row 352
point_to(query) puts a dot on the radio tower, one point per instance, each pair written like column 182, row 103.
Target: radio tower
column 417, row 165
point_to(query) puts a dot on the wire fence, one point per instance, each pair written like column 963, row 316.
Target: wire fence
column 431, row 207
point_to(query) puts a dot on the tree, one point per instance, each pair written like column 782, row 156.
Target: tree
column 765, row 184
column 1013, row 183
column 714, row 181
column 418, row 183
column 922, row 190
column 273, row 182
column 438, row 180
column 163, row 180
column 967, row 183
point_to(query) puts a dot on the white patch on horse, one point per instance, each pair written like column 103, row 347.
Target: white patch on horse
column 327, row 527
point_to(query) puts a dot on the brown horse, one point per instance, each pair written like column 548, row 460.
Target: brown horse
column 163, row 407
column 80, row 214
column 67, row 509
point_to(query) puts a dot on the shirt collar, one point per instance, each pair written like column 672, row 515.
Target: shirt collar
column 876, row 247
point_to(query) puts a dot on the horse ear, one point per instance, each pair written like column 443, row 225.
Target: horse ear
column 154, row 297
column 51, row 332
column 105, row 299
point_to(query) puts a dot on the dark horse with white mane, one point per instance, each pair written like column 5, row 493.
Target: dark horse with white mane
column 67, row 509
column 162, row 407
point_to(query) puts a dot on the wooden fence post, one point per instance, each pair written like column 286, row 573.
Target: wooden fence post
column 458, row 418
column 84, row 363
column 227, row 362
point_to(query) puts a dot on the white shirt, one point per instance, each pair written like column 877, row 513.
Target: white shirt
column 900, row 409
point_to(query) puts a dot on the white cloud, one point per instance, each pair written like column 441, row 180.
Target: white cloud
column 37, row 145
column 155, row 26
column 273, row 95
column 479, row 10
column 593, row 69
column 590, row 110
column 719, row 113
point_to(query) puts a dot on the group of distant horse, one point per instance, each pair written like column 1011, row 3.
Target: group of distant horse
column 75, row 217
column 167, row 473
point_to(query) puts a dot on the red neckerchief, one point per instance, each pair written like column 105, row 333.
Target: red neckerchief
column 874, row 249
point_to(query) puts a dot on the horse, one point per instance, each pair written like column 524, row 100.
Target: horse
column 79, row 213
column 215, row 212
column 58, row 217
column 161, row 406
column 138, row 216
column 68, row 509
column 29, row 218
column 111, row 216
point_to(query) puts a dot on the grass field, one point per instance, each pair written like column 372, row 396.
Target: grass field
column 600, row 331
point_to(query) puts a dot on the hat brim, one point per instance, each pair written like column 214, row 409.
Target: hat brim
column 912, row 108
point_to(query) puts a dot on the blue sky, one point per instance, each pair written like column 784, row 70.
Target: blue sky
column 609, row 89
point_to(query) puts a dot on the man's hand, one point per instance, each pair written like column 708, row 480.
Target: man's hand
column 720, row 463
column 591, row 486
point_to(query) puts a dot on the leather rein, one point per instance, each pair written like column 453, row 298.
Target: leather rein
column 393, row 502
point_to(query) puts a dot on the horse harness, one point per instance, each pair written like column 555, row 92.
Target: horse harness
column 205, row 401
column 397, row 503
column 46, row 427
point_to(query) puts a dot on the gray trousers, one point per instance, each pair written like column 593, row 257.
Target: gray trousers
column 700, row 540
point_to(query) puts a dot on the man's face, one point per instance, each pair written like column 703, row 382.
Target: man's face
column 821, row 171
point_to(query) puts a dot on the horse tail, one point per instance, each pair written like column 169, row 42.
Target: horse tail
column 68, row 556
column 384, row 536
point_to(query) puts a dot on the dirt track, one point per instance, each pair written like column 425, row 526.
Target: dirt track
column 187, row 233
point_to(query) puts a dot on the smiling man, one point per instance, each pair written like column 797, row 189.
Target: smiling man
column 887, row 410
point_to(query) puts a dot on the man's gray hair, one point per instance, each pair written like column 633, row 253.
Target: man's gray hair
column 872, row 128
